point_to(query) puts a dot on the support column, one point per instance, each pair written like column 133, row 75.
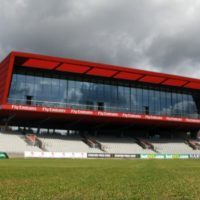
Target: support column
column 38, row 130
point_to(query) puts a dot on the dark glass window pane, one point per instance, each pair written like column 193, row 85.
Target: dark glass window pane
column 133, row 100
column 20, row 88
column 163, row 107
column 152, row 102
column 63, row 91
column 13, row 92
column 139, row 101
column 157, row 102
column 168, row 103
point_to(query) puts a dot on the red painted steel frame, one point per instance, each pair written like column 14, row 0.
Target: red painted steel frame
column 4, row 79
column 94, row 69
column 8, row 78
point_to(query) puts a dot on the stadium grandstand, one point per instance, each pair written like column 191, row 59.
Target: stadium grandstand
column 57, row 107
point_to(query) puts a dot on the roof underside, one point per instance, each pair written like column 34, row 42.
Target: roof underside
column 88, row 122
column 102, row 70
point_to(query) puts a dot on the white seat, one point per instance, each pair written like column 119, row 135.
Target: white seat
column 173, row 147
column 121, row 145
column 66, row 144
column 14, row 143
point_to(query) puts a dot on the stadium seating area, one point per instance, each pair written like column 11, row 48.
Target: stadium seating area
column 15, row 143
column 172, row 146
column 18, row 143
column 194, row 144
column 121, row 145
column 66, row 144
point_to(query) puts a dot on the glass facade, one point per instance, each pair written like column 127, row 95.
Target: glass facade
column 54, row 89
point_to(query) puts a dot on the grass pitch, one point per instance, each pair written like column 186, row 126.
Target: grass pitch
column 59, row 179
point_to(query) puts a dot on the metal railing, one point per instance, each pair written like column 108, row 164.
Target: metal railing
column 82, row 106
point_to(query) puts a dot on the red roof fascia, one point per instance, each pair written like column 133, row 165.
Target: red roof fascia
column 101, row 72
column 128, row 76
column 112, row 71
column 175, row 82
column 193, row 85
column 37, row 63
column 152, row 79
column 72, row 68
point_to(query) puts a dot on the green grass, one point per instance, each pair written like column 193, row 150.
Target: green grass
column 60, row 179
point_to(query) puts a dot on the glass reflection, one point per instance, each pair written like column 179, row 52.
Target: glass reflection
column 59, row 90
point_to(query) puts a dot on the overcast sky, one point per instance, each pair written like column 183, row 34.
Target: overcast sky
column 158, row 35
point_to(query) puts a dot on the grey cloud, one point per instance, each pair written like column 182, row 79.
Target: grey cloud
column 148, row 34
